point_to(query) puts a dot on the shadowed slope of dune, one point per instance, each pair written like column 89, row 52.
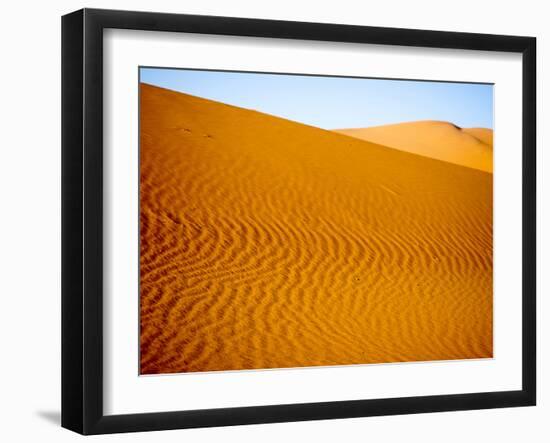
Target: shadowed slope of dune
column 471, row 147
column 268, row 244
column 484, row 135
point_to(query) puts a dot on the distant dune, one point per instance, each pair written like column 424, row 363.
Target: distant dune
column 484, row 135
column 471, row 147
column 266, row 243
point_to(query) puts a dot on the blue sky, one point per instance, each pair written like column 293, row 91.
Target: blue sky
column 335, row 102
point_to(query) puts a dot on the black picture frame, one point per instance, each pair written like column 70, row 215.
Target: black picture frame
column 82, row 215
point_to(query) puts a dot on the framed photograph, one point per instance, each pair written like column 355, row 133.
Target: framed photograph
column 269, row 221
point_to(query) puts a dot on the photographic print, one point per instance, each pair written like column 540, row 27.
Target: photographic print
column 294, row 221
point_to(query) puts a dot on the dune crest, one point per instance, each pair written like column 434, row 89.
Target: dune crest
column 471, row 147
column 265, row 243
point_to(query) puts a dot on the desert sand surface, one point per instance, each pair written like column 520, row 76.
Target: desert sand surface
column 471, row 147
column 266, row 243
column 484, row 135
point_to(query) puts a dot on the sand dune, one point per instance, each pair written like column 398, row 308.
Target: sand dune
column 484, row 135
column 471, row 147
column 269, row 244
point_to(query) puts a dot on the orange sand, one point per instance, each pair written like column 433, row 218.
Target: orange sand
column 266, row 243
column 472, row 147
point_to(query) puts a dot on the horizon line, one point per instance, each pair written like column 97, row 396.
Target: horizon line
column 400, row 122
